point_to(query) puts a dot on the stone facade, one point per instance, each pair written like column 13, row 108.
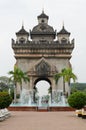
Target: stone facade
column 43, row 56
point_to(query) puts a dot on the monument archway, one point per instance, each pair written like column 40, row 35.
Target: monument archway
column 44, row 54
column 42, row 70
column 40, row 85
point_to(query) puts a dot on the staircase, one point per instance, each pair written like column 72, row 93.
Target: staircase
column 42, row 109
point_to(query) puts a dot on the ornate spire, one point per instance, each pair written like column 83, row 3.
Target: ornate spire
column 43, row 10
column 22, row 24
column 63, row 24
column 22, row 30
column 43, row 15
column 63, row 30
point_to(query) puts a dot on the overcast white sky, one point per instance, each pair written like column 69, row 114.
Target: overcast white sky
column 72, row 12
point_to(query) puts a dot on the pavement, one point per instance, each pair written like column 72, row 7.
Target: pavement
column 26, row 120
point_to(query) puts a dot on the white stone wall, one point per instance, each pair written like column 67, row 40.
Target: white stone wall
column 29, row 64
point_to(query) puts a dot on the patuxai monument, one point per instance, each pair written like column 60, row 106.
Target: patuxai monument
column 41, row 53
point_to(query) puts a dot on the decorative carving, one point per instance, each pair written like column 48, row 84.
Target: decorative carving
column 64, row 40
column 43, row 69
column 42, row 27
column 22, row 40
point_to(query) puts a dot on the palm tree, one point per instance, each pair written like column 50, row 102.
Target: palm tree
column 56, row 77
column 17, row 76
column 67, row 74
column 23, row 76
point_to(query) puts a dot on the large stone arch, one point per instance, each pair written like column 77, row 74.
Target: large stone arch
column 42, row 69
column 41, row 79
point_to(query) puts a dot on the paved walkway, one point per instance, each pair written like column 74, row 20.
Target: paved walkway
column 43, row 121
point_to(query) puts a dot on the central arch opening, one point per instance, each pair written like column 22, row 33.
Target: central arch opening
column 42, row 87
column 42, row 91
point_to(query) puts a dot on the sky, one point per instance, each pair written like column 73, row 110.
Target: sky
column 72, row 12
column 42, row 88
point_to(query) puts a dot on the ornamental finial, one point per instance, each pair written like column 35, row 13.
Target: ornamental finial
column 63, row 24
column 22, row 24
column 43, row 10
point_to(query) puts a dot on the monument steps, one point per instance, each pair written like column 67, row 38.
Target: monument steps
column 42, row 109
column 48, row 109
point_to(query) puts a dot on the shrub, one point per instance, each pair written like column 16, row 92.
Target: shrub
column 77, row 100
column 74, row 89
column 5, row 100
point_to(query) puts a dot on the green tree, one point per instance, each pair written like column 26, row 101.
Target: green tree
column 4, row 79
column 7, row 85
column 5, row 100
column 67, row 74
column 77, row 100
column 57, row 76
column 3, row 87
column 23, row 76
column 17, row 76
column 74, row 89
column 4, row 83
